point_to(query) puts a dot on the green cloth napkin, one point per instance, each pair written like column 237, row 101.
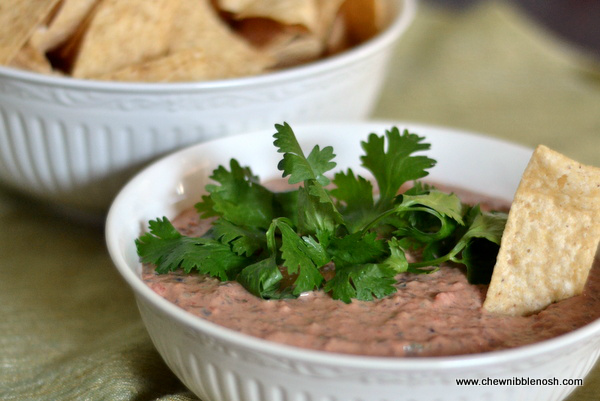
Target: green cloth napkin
column 494, row 71
column 70, row 329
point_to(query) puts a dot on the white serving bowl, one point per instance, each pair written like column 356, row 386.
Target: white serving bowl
column 76, row 142
column 219, row 364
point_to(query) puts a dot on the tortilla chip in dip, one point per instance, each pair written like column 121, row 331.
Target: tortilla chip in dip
column 551, row 236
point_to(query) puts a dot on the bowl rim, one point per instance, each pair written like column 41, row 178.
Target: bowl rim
column 360, row 362
column 398, row 25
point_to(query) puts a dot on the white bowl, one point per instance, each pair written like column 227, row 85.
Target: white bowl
column 76, row 142
column 219, row 364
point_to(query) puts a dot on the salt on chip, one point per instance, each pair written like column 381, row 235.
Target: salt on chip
column 551, row 236
column 18, row 19
column 124, row 32
column 69, row 17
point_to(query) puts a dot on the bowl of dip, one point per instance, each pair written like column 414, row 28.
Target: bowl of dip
column 221, row 363
column 75, row 141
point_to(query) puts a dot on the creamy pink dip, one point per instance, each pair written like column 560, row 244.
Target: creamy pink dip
column 430, row 315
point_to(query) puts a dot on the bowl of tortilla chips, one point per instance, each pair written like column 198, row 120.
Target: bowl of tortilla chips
column 91, row 90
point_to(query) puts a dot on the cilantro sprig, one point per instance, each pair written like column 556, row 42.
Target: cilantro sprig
column 281, row 244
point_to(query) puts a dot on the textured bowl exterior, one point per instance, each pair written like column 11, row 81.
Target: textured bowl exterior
column 217, row 370
column 77, row 142
column 219, row 364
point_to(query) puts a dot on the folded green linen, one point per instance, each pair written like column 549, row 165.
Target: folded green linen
column 492, row 70
column 70, row 329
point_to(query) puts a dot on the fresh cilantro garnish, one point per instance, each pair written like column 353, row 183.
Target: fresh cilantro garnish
column 317, row 212
column 169, row 250
column 396, row 165
column 239, row 188
column 280, row 244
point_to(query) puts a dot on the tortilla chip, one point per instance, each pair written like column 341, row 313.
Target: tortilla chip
column 198, row 27
column 124, row 32
column 197, row 24
column 287, row 45
column 31, row 59
column 291, row 36
column 551, row 236
column 188, row 65
column 365, row 18
column 260, row 32
column 291, row 48
column 18, row 20
column 288, row 12
column 327, row 13
column 337, row 40
column 69, row 17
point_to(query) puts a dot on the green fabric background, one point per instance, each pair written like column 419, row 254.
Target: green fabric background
column 70, row 329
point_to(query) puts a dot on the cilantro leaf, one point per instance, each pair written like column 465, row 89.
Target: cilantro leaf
column 239, row 198
column 244, row 241
column 354, row 195
column 488, row 225
column 362, row 282
column 302, row 256
column 206, row 207
column 397, row 259
column 394, row 166
column 373, row 280
column 169, row 250
column 428, row 217
column 262, row 278
column 479, row 228
column 286, row 205
column 355, row 192
column 445, row 204
column 295, row 164
column 317, row 211
column 357, row 249
column 419, row 188
column 481, row 243
column 357, row 275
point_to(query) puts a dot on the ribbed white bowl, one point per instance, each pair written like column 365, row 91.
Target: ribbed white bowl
column 219, row 364
column 76, row 142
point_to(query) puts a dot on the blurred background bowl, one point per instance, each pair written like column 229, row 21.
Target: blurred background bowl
column 76, row 142
column 220, row 364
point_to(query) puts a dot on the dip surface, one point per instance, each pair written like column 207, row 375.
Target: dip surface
column 434, row 314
